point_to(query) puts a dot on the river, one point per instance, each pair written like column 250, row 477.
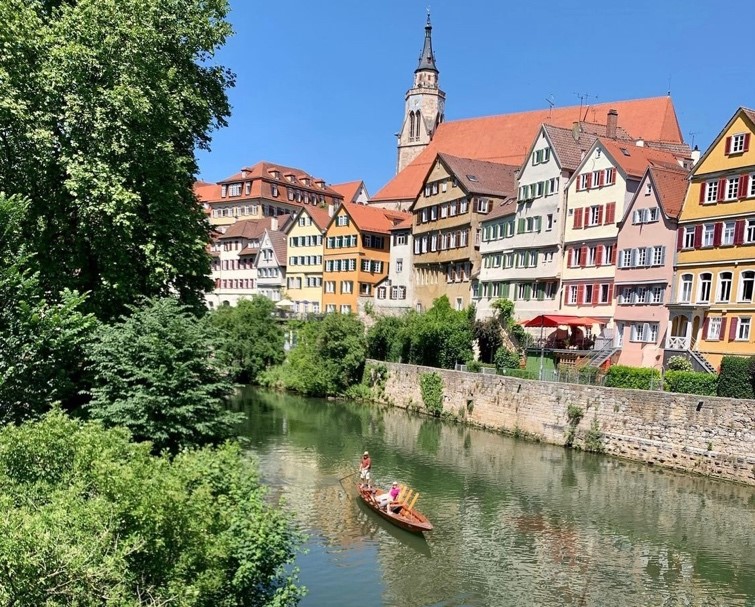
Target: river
column 516, row 523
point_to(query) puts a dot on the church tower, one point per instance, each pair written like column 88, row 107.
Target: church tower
column 424, row 105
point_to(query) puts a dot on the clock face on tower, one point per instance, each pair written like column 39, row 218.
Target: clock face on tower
column 414, row 103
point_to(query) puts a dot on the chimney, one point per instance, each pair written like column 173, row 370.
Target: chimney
column 576, row 129
column 274, row 224
column 331, row 209
column 612, row 121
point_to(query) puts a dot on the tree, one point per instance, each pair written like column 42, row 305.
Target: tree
column 250, row 337
column 104, row 104
column 488, row 335
column 385, row 338
column 155, row 373
column 91, row 518
column 440, row 337
column 41, row 339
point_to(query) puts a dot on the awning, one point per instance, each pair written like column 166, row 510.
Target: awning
column 556, row 320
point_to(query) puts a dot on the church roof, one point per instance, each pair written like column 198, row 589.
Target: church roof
column 427, row 58
column 507, row 138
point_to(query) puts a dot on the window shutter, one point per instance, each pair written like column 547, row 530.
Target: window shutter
column 742, row 186
column 703, row 188
column 649, row 256
column 721, row 189
column 613, row 255
column 717, row 230
column 698, row 236
column 595, row 291
column 739, row 232
column 733, row 329
column 583, row 257
column 610, row 212
column 538, row 223
column 706, row 326
column 747, row 142
column 589, row 181
column 679, row 239
column 580, row 294
column 663, row 255
column 520, row 227
column 541, row 292
column 722, row 334
column 599, row 252
column 527, row 292
column 602, row 178
column 728, row 145
column 577, row 218
column 600, row 214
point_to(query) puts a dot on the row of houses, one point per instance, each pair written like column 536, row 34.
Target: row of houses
column 646, row 237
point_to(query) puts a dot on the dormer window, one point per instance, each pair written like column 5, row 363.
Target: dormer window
column 248, row 188
column 738, row 144
column 305, row 180
column 290, row 178
column 223, row 191
column 234, row 189
column 274, row 190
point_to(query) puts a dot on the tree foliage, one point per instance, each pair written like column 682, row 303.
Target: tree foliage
column 250, row 338
column 92, row 519
column 104, row 104
column 735, row 379
column 42, row 339
column 488, row 335
column 155, row 373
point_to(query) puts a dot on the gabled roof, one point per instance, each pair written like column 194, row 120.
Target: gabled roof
column 671, row 188
column 320, row 217
column 278, row 243
column 507, row 138
column 349, row 190
column 570, row 151
column 480, row 176
column 501, row 208
column 372, row 219
column 633, row 160
column 247, row 228
column 742, row 111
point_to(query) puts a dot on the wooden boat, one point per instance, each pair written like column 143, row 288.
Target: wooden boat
column 401, row 514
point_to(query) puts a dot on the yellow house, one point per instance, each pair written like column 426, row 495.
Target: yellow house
column 713, row 302
column 305, row 252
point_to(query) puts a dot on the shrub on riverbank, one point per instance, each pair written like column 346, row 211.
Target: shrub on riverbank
column 431, row 386
column 735, row 379
column 91, row 518
column 690, row 382
column 632, row 378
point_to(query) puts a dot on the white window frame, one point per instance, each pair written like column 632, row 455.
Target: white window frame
column 714, row 328
column 744, row 325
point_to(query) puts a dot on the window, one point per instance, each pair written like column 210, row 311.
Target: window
column 342, row 220
column 347, row 286
column 732, row 188
column 234, row 189
column 345, row 309
column 619, row 334
column 641, row 257
column 583, row 181
column 588, row 294
column 689, row 238
column 483, row 205
column 711, row 191
column 605, row 293
column 365, row 289
column 727, row 236
column 399, row 239
column 685, row 289
column 659, row 256
column 399, row 266
column 708, row 235
column 736, row 144
column 751, row 190
column 596, row 178
column 750, row 231
column 459, row 304
column 706, row 280
column 625, row 296
column 572, row 298
column 644, row 332
column 591, row 256
column 595, row 215
column 463, row 205
column 330, row 308
column 747, row 282
column 365, row 265
column 610, row 176
column 714, row 328
column 551, row 186
column 381, row 292
column 743, row 328
column 549, row 222
column 371, row 241
column 433, row 213
column 330, row 286
column 657, row 295
column 724, row 287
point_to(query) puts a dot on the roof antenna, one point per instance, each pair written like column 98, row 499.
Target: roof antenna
column 583, row 97
column 692, row 134
column 551, row 101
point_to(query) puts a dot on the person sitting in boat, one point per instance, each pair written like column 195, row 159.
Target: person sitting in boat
column 364, row 468
column 389, row 497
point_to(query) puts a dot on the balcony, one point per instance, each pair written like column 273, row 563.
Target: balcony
column 677, row 342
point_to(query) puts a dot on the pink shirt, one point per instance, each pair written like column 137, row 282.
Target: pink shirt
column 394, row 493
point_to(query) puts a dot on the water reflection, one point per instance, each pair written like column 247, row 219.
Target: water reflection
column 515, row 523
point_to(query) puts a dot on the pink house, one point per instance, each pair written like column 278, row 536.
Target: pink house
column 645, row 265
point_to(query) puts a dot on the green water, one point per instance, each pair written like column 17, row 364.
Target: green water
column 516, row 523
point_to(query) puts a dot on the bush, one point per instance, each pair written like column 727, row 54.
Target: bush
column 690, row 382
column 488, row 334
column 431, row 386
column 506, row 359
column 474, row 366
column 634, row 378
column 735, row 378
column 679, row 363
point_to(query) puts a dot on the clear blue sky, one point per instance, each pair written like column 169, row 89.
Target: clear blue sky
column 320, row 85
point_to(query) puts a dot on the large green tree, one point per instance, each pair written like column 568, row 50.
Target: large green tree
column 103, row 105
column 156, row 373
column 92, row 519
column 250, row 336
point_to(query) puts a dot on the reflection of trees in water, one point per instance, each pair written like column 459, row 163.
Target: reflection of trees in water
column 428, row 437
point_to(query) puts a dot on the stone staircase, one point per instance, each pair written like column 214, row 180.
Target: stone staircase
column 598, row 357
column 699, row 359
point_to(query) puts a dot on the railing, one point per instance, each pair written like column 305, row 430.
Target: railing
column 677, row 342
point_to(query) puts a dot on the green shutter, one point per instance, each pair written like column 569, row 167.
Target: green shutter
column 538, row 223
column 520, row 229
column 505, row 290
column 541, row 291
column 527, row 292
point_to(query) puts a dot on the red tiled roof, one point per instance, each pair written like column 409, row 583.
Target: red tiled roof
column 374, row 219
column 348, row 190
column 750, row 113
column 671, row 187
column 502, row 208
column 247, row 228
column 507, row 138
column 406, row 224
column 482, row 177
column 320, row 215
column 278, row 240
column 634, row 159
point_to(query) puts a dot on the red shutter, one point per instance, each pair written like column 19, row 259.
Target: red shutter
column 698, row 236
column 739, row 232
column 706, row 324
column 747, row 142
column 589, row 181
column 602, row 178
column 595, row 292
column 600, row 214
column 733, row 329
column 742, row 186
column 583, row 257
column 613, row 253
column 679, row 239
column 717, row 230
column 580, row 294
column 599, row 252
column 703, row 187
column 728, row 145
column 721, row 189
column 722, row 334
column 577, row 219
column 610, row 212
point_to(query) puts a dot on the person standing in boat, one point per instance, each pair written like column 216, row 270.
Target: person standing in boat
column 364, row 468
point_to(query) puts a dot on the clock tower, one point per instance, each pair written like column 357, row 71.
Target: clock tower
column 424, row 105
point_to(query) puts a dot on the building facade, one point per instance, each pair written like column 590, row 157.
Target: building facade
column 271, row 265
column 645, row 246
column 305, row 246
column 456, row 195
column 713, row 307
column 395, row 294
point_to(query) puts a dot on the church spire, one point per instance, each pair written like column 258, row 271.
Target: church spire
column 427, row 58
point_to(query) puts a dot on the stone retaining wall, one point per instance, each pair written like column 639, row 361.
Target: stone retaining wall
column 702, row 434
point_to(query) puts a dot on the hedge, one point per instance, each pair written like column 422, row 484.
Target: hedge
column 633, row 378
column 691, row 382
column 735, row 377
